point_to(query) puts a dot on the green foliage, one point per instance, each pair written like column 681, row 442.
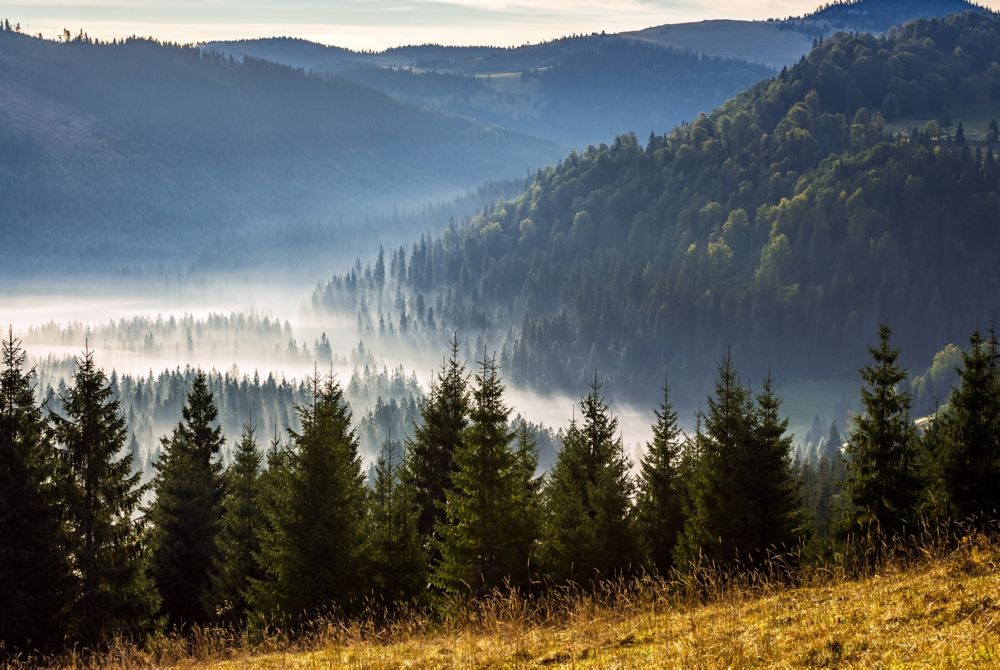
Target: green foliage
column 396, row 562
column 436, row 438
column 34, row 575
column 184, row 517
column 237, row 544
column 882, row 484
column 485, row 537
column 315, row 504
column 744, row 498
column 589, row 525
column 965, row 438
column 659, row 508
column 100, row 496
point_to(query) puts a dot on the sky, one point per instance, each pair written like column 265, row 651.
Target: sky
column 377, row 24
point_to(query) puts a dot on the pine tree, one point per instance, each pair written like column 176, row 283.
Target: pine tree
column 101, row 495
column 238, row 540
column 716, row 527
column 828, row 474
column 394, row 553
column 772, row 487
column 968, row 453
column 882, row 484
column 311, row 546
column 184, row 516
column 443, row 419
column 34, row 577
column 483, row 543
column 588, row 529
column 659, row 512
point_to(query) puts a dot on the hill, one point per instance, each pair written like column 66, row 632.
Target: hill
column 781, row 42
column 787, row 222
column 938, row 612
column 574, row 91
column 143, row 154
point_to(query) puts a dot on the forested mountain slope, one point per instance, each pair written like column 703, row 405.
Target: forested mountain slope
column 779, row 42
column 575, row 91
column 786, row 223
column 145, row 153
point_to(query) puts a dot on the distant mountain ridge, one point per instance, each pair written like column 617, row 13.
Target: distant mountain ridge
column 139, row 153
column 575, row 91
column 781, row 42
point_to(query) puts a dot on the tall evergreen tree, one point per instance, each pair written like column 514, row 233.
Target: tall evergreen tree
column 882, row 483
column 184, row 516
column 311, row 549
column 826, row 477
column 483, row 542
column 238, row 540
column 968, row 454
column 589, row 527
column 34, row 577
column 443, row 419
column 659, row 511
column 394, row 553
column 101, row 496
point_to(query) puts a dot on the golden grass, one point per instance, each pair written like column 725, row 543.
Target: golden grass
column 940, row 613
column 938, row 607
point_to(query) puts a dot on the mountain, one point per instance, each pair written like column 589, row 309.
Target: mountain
column 138, row 153
column 783, row 227
column 575, row 91
column 781, row 42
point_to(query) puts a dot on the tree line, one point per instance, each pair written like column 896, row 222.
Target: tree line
column 458, row 510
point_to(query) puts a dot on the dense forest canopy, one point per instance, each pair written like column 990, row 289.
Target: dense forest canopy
column 788, row 222
column 138, row 153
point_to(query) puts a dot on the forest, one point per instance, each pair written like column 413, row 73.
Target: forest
column 260, row 152
column 785, row 223
column 287, row 527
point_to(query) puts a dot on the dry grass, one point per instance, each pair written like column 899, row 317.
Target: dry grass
column 940, row 608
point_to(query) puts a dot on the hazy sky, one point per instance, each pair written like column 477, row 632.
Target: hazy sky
column 378, row 23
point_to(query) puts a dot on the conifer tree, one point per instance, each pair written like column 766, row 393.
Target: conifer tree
column 882, row 485
column 482, row 539
column 659, row 512
column 101, row 494
column 394, row 553
column 827, row 476
column 238, row 540
column 311, row 547
column 968, row 430
column 589, row 528
column 34, row 577
column 715, row 527
column 185, row 513
column 443, row 418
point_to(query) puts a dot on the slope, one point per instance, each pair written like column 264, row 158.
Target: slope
column 139, row 153
column 575, row 91
column 781, row 42
column 783, row 227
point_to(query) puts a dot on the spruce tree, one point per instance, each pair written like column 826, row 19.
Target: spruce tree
column 882, row 484
column 34, row 577
column 443, row 419
column 311, row 546
column 184, row 516
column 483, row 542
column 101, row 494
column 659, row 512
column 395, row 557
column 589, row 527
column 238, row 540
column 716, row 525
column 968, row 454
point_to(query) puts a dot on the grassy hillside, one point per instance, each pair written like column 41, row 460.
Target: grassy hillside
column 938, row 610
